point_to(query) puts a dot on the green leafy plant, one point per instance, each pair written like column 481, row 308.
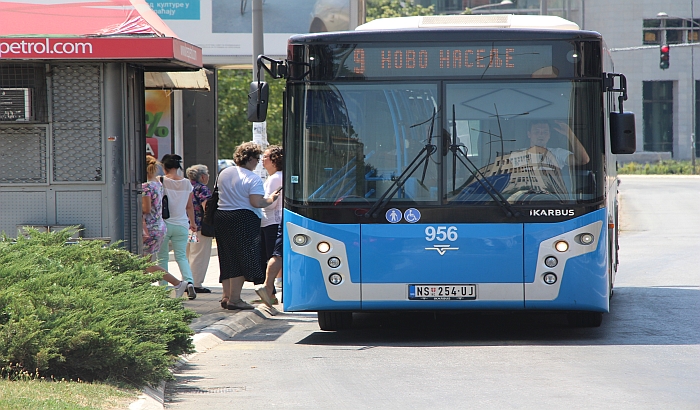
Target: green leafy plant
column 396, row 8
column 234, row 128
column 85, row 311
column 665, row 167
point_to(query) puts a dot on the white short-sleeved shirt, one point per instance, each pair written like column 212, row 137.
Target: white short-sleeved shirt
column 236, row 184
column 562, row 155
column 272, row 214
column 178, row 192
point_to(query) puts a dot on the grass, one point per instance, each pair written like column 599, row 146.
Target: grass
column 63, row 395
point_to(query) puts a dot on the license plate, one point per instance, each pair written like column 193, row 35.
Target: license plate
column 441, row 292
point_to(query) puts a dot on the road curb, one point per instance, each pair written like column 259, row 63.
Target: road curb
column 153, row 397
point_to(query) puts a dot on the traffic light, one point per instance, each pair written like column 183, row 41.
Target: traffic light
column 664, row 56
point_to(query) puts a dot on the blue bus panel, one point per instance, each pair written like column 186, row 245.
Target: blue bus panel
column 445, row 267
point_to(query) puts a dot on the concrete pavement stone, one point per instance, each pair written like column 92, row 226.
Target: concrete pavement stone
column 213, row 326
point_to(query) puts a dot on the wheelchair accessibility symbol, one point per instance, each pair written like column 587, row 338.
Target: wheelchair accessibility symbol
column 412, row 215
column 393, row 215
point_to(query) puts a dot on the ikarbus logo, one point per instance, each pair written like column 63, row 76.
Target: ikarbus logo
column 45, row 46
column 551, row 212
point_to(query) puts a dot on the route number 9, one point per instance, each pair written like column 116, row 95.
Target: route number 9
column 442, row 233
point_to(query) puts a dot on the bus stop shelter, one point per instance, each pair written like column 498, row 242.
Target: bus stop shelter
column 72, row 128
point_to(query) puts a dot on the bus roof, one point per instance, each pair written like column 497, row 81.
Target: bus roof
column 471, row 21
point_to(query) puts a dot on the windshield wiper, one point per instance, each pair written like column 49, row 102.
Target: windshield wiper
column 488, row 187
column 423, row 157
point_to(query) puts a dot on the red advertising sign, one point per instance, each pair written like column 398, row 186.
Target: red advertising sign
column 137, row 48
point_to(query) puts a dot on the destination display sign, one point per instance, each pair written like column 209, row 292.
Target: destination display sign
column 483, row 60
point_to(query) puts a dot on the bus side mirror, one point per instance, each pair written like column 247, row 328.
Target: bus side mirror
column 257, row 101
column 623, row 137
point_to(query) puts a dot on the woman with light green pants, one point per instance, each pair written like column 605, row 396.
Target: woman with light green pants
column 181, row 220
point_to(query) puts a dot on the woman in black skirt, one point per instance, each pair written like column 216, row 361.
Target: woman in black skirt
column 237, row 221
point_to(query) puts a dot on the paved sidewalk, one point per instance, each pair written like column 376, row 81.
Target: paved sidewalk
column 214, row 325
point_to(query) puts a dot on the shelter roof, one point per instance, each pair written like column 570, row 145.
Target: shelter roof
column 127, row 30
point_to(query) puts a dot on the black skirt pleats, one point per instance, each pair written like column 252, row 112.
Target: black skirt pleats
column 238, row 245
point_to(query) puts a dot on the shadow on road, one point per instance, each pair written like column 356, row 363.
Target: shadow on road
column 638, row 316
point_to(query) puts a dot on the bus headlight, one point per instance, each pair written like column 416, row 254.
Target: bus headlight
column 561, row 246
column 333, row 262
column 323, row 247
column 550, row 278
column 335, row 278
column 551, row 261
column 301, row 240
column 586, row 238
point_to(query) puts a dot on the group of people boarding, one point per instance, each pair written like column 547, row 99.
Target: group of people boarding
column 248, row 224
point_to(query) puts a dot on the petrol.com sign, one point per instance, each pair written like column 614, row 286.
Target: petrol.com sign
column 43, row 47
column 100, row 48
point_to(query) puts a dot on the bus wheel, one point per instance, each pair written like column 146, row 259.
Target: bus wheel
column 585, row 319
column 334, row 320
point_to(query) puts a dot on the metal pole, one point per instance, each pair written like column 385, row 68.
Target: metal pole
column 543, row 7
column 258, row 43
column 692, row 88
column 259, row 128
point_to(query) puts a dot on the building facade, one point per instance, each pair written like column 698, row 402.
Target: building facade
column 664, row 100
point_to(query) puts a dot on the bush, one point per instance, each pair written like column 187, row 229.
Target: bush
column 667, row 167
column 86, row 312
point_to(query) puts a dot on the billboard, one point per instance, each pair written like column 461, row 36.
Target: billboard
column 159, row 123
column 223, row 28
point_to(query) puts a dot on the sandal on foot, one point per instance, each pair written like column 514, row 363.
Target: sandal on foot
column 224, row 302
column 239, row 305
column 275, row 301
column 262, row 292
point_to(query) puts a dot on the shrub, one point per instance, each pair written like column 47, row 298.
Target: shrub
column 87, row 312
column 666, row 167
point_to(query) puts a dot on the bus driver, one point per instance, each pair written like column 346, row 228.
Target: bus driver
column 539, row 134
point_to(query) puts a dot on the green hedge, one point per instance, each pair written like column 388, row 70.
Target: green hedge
column 86, row 311
column 667, row 167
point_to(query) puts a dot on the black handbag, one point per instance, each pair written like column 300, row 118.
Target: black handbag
column 166, row 209
column 212, row 204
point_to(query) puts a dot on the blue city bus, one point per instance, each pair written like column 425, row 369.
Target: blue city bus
column 450, row 163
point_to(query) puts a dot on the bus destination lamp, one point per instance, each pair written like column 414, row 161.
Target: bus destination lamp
column 664, row 56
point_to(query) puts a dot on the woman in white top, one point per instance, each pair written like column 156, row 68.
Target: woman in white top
column 273, row 161
column 237, row 222
column 181, row 220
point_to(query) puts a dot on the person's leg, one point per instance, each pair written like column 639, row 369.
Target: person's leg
column 178, row 237
column 180, row 286
column 226, row 288
column 164, row 252
column 198, row 255
column 236, row 285
column 273, row 266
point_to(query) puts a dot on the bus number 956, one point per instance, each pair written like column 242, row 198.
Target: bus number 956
column 441, row 233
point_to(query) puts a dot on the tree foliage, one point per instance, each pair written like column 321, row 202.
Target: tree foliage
column 233, row 87
column 234, row 127
column 395, row 8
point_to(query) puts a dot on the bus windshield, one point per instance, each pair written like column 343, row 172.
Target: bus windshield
column 442, row 143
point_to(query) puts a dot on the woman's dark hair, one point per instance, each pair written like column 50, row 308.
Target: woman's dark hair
column 245, row 152
column 171, row 161
column 276, row 155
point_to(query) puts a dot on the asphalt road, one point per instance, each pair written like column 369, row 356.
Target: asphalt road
column 646, row 354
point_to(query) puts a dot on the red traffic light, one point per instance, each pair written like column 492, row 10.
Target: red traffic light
column 664, row 56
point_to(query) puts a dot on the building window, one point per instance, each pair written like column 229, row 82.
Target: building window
column 658, row 116
column 23, row 93
column 670, row 31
